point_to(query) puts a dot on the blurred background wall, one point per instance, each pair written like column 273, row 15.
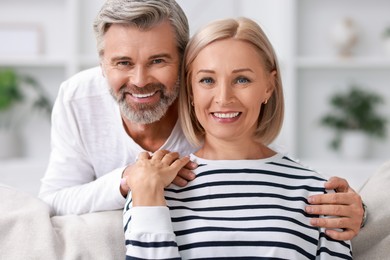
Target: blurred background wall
column 324, row 48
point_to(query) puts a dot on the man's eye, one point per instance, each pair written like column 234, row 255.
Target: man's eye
column 123, row 64
column 206, row 81
column 157, row 61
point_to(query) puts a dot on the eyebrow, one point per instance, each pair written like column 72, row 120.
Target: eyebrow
column 119, row 58
column 162, row 55
column 242, row 70
column 234, row 71
column 205, row 71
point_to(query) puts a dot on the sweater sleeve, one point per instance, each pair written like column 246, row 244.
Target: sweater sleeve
column 70, row 185
column 149, row 233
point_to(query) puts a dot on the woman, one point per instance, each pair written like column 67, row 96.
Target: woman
column 247, row 201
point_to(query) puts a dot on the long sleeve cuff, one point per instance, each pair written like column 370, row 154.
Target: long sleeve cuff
column 112, row 183
column 151, row 220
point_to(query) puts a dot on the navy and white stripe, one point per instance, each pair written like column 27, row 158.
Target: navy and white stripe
column 248, row 209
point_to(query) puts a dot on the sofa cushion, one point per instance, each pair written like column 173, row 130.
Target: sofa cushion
column 29, row 232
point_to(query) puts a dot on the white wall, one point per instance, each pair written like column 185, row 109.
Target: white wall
column 296, row 28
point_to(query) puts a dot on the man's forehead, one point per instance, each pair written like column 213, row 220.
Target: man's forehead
column 122, row 41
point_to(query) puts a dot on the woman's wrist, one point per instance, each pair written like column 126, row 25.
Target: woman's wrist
column 151, row 196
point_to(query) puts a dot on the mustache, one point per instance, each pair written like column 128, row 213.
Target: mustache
column 133, row 89
column 145, row 89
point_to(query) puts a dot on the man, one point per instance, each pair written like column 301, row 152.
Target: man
column 105, row 116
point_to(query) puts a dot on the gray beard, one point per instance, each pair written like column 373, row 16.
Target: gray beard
column 146, row 113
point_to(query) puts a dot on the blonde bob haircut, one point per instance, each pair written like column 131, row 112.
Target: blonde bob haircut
column 242, row 29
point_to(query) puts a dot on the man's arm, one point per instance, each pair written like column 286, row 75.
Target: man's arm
column 346, row 205
column 70, row 185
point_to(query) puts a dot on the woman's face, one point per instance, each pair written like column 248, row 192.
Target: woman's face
column 229, row 85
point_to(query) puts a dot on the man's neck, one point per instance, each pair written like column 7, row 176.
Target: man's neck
column 152, row 136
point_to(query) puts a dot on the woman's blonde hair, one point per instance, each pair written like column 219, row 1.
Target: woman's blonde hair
column 271, row 116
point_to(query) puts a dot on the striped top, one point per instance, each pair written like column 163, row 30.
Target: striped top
column 234, row 209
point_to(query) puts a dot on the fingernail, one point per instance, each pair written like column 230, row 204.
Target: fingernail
column 311, row 200
column 308, row 209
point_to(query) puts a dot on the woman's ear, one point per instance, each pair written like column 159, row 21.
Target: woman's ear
column 272, row 83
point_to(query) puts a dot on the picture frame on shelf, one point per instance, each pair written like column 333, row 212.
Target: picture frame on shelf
column 20, row 39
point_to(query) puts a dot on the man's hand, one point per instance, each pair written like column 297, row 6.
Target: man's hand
column 345, row 205
column 185, row 174
column 183, row 177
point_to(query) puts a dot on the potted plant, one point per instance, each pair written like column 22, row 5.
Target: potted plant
column 19, row 95
column 354, row 113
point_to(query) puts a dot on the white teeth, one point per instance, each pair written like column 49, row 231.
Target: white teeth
column 143, row 95
column 226, row 115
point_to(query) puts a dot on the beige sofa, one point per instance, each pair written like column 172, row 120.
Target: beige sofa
column 373, row 242
column 28, row 231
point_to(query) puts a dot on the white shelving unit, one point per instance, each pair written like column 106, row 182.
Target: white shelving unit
column 319, row 73
column 65, row 26
column 298, row 30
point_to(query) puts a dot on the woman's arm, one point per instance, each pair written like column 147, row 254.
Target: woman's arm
column 147, row 222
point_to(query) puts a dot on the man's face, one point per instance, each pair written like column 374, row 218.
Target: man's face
column 142, row 70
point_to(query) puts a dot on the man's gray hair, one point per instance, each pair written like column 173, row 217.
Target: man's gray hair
column 144, row 14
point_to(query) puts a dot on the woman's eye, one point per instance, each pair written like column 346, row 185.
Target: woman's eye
column 206, row 81
column 242, row 80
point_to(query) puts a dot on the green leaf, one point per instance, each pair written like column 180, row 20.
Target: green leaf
column 355, row 109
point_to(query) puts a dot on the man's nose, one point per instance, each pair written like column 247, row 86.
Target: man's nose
column 139, row 76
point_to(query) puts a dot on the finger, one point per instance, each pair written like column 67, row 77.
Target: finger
column 191, row 165
column 179, row 181
column 340, row 234
column 338, row 228
column 159, row 155
column 180, row 163
column 333, row 198
column 186, row 174
column 338, row 184
column 143, row 155
column 170, row 158
column 340, row 223
column 329, row 210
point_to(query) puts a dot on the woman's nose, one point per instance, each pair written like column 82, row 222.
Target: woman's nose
column 224, row 95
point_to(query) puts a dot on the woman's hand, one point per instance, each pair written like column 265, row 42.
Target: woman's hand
column 345, row 205
column 184, row 176
column 148, row 177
